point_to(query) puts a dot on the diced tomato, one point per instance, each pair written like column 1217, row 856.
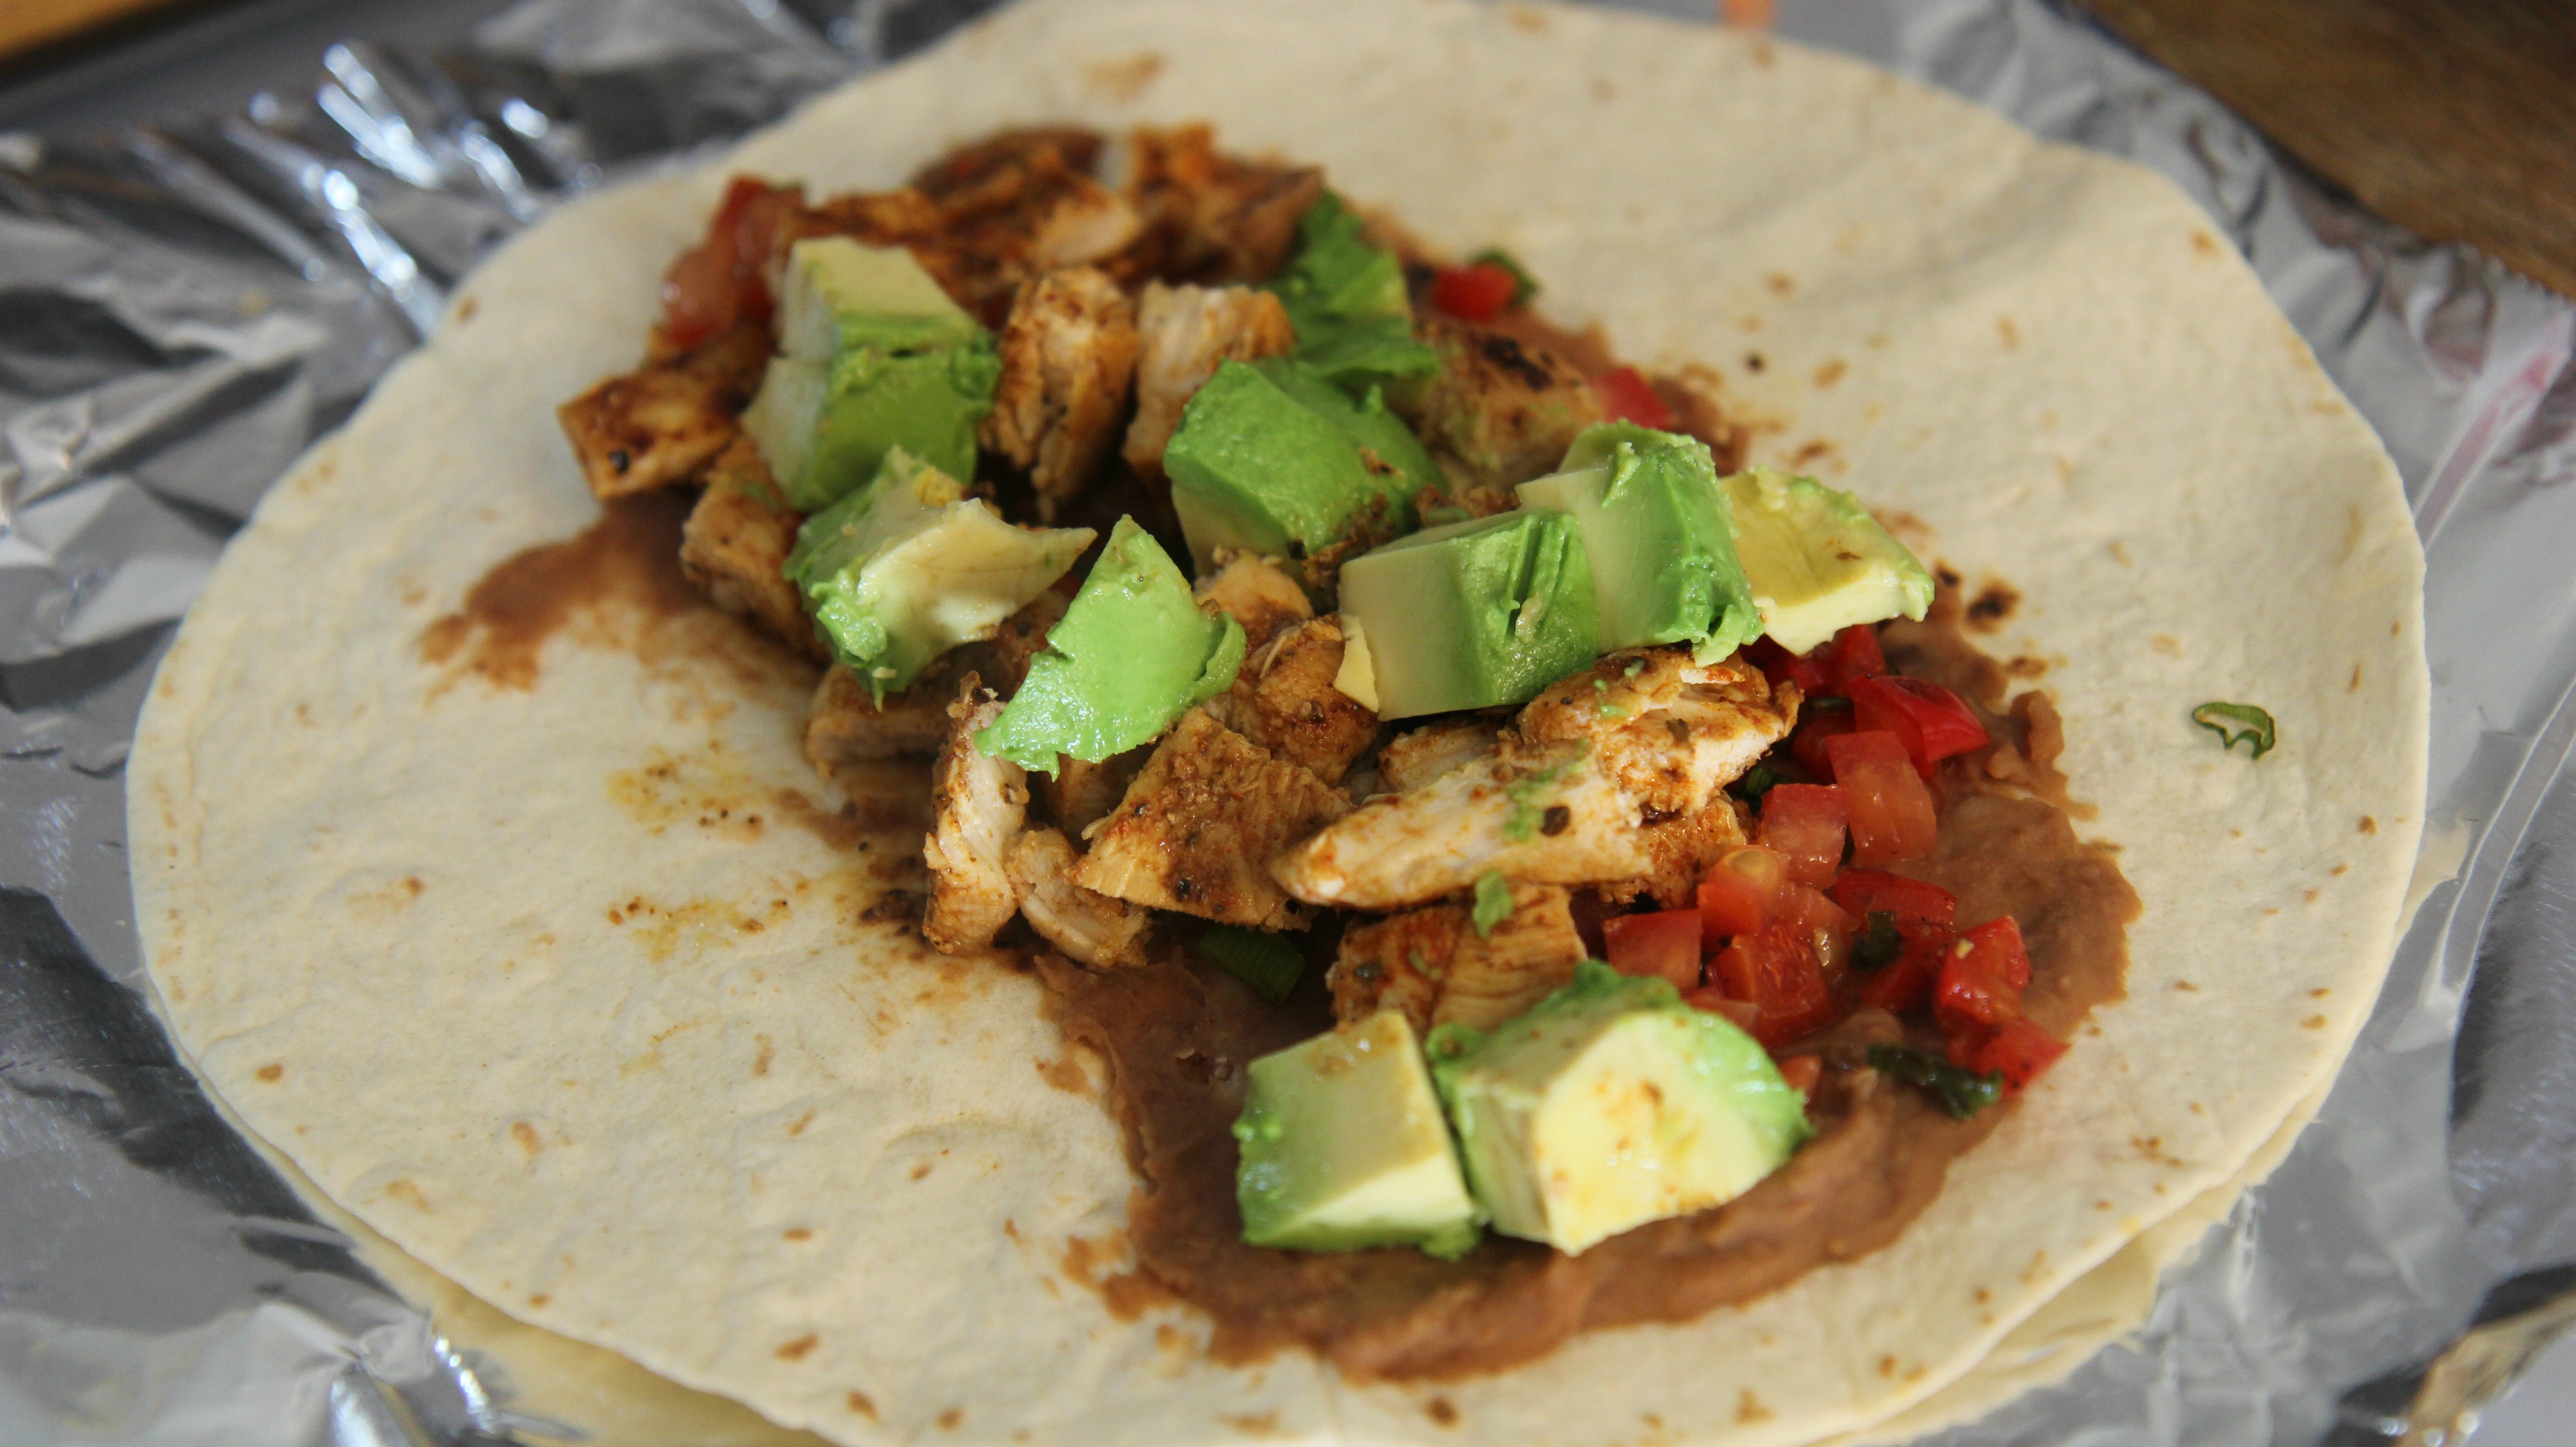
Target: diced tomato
column 1626, row 396
column 1777, row 970
column 1821, row 923
column 1853, row 655
column 1891, row 810
column 2021, row 1050
column 1861, row 891
column 1779, row 665
column 1743, row 1013
column 1741, row 891
column 1906, row 984
column 1476, row 292
column 1818, row 727
column 1932, row 722
column 1803, row 824
column 1982, row 977
column 1801, row 1072
column 1664, row 944
column 725, row 278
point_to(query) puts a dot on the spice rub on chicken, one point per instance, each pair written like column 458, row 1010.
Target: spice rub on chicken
column 978, row 804
column 658, row 425
column 1091, row 928
column 1438, row 967
column 1068, row 362
column 1194, row 832
column 1184, row 334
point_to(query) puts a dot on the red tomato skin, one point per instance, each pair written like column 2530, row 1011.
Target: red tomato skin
column 1912, row 901
column 1741, row 891
column 1801, row 1072
column 1777, row 970
column 1853, row 655
column 1779, row 665
column 1804, row 824
column 1982, row 977
column 1816, row 729
column 724, row 278
column 1933, row 723
column 2020, row 1050
column 1906, row 984
column 1477, row 292
column 1626, row 396
column 1892, row 817
column 1664, row 945
column 1743, row 1014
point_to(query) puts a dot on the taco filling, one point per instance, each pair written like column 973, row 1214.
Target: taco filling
column 1526, row 871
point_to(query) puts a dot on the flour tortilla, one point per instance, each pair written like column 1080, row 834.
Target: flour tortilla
column 476, row 959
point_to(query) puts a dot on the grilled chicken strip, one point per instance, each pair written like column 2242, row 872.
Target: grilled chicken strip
column 1081, row 793
column 1506, row 410
column 658, row 425
column 1432, row 965
column 1091, row 928
column 844, row 726
column 1068, row 360
column 1561, row 798
column 1185, row 333
column 1207, row 215
column 977, row 807
column 1411, row 760
column 1257, row 593
column 1682, row 850
column 1196, row 829
column 1283, row 699
column 737, row 540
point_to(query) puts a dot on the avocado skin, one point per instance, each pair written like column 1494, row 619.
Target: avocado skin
column 1272, row 458
column 1133, row 652
column 1656, row 527
column 1474, row 614
column 927, row 403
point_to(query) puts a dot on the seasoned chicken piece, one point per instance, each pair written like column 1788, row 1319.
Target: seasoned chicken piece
column 1000, row 165
column 736, row 543
column 1004, row 657
column 1093, row 929
column 1432, row 965
column 659, row 424
column 1208, row 215
column 1411, row 760
column 1669, row 730
column 1506, row 410
column 1017, row 206
column 1068, row 360
column 844, row 726
column 977, row 806
column 1185, row 333
column 1682, row 850
column 1196, row 829
column 1283, row 699
column 1081, row 793
column 1642, row 736
column 1257, row 593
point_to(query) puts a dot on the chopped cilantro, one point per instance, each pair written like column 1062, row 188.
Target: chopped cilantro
column 1493, row 901
column 1524, row 285
column 1879, row 944
column 1757, row 781
column 1268, row 965
column 2251, row 725
column 1961, row 1092
column 1525, row 812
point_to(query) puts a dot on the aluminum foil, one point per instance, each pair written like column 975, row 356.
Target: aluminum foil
column 183, row 308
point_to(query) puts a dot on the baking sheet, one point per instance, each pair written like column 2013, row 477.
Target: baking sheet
column 183, row 308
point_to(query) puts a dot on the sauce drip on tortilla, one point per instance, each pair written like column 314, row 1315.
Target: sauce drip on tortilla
column 1177, row 1038
column 625, row 566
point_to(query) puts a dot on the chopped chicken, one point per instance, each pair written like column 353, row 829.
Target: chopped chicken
column 1092, row 928
column 1432, row 965
column 977, row 807
column 1185, row 333
column 1082, row 793
column 1669, row 730
column 1004, row 658
column 1257, row 593
column 658, row 425
column 904, row 217
column 1411, row 760
column 736, row 543
column 999, row 166
column 1561, row 798
column 1505, row 409
column 1068, row 359
column 1208, row 215
column 1015, row 207
column 1682, row 850
column 1283, row 699
column 844, row 726
column 1197, row 828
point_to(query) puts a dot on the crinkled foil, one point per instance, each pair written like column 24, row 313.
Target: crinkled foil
column 184, row 308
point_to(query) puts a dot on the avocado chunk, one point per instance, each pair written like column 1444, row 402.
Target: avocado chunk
column 909, row 567
column 1611, row 1104
column 1272, row 459
column 1817, row 561
column 875, row 357
column 1344, row 1146
column 1347, row 302
column 1133, row 653
column 1655, row 529
column 1469, row 615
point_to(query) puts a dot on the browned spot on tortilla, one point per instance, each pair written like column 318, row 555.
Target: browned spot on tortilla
column 2313, row 1022
column 798, row 1233
column 526, row 1135
column 2023, row 665
column 1781, row 283
column 466, row 309
column 2204, row 244
column 1126, row 78
column 271, row 1071
column 539, row 1299
column 1830, row 373
column 402, row 1189
column 1993, row 605
column 863, row 1404
column 1811, row 451
column 760, row 1059
column 797, row 1126
column 2355, row 685
column 795, row 1351
column 2340, row 870
column 922, row 1168
column 1749, row 1409
column 1755, row 361
column 1603, row 89
column 2369, row 825
column 1252, row 1424
column 949, row 1419
column 1527, row 18
column 1887, row 1366
column 2010, row 334
column 2187, row 987
column 1066, row 1073
column 2165, row 643
column 1442, row 1411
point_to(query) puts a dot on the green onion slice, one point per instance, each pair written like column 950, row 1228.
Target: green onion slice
column 1879, row 944
column 1524, row 285
column 2236, row 723
column 1268, row 965
column 1961, row 1092
column 1493, row 901
column 1757, row 781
